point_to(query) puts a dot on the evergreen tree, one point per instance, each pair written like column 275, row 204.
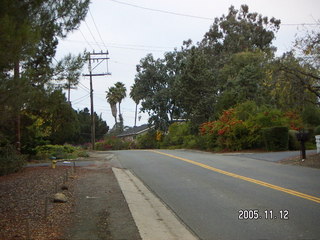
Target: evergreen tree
column 29, row 33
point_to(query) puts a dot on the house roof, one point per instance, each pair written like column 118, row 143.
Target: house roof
column 135, row 130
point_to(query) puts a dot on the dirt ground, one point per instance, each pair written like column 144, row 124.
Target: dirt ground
column 312, row 160
column 23, row 198
column 96, row 208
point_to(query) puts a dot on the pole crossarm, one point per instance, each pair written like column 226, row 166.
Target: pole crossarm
column 100, row 53
column 96, row 74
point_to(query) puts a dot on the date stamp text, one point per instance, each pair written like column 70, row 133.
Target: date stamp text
column 267, row 214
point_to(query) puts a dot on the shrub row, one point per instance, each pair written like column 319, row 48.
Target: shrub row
column 112, row 143
column 250, row 126
column 276, row 138
column 59, row 151
column 247, row 126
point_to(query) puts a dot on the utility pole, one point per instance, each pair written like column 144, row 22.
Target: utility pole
column 99, row 57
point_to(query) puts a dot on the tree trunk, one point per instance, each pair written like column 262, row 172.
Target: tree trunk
column 135, row 116
column 16, row 74
column 119, row 108
column 114, row 112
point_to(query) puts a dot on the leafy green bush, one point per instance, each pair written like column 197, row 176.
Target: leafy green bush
column 148, row 140
column 176, row 135
column 241, row 127
column 102, row 146
column 311, row 115
column 81, row 153
column 111, row 143
column 294, row 144
column 117, row 143
column 310, row 145
column 191, row 142
column 208, row 142
column 66, row 151
column 317, row 130
column 10, row 160
column 57, row 151
column 276, row 138
column 228, row 132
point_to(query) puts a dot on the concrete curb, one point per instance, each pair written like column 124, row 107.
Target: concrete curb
column 153, row 219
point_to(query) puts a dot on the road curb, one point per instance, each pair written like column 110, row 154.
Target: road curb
column 153, row 219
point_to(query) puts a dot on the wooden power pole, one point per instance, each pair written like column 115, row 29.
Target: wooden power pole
column 99, row 58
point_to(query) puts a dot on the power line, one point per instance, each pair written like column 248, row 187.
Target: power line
column 78, row 100
column 299, row 24
column 84, row 86
column 130, row 46
column 162, row 11
column 86, row 90
column 94, row 39
column 138, row 49
column 85, row 39
column 95, row 25
column 199, row 17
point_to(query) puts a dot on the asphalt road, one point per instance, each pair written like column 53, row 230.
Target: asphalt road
column 209, row 192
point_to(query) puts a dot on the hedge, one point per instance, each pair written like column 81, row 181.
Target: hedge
column 294, row 144
column 276, row 138
column 57, row 151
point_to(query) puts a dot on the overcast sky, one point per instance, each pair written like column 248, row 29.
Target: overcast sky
column 130, row 32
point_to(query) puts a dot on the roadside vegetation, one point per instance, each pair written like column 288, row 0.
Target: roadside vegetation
column 229, row 91
column 247, row 126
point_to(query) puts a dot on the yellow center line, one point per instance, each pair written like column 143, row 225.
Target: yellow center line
column 265, row 184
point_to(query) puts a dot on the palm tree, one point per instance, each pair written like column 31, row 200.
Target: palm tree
column 134, row 94
column 115, row 95
column 112, row 100
column 120, row 93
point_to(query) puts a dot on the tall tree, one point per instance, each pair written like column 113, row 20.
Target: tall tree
column 244, row 77
column 120, row 90
column 295, row 83
column 84, row 119
column 29, row 33
column 115, row 95
column 154, row 82
column 240, row 31
column 68, row 71
column 303, row 63
column 197, row 88
column 112, row 100
column 136, row 97
column 191, row 82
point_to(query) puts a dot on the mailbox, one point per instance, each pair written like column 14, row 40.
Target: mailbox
column 302, row 136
